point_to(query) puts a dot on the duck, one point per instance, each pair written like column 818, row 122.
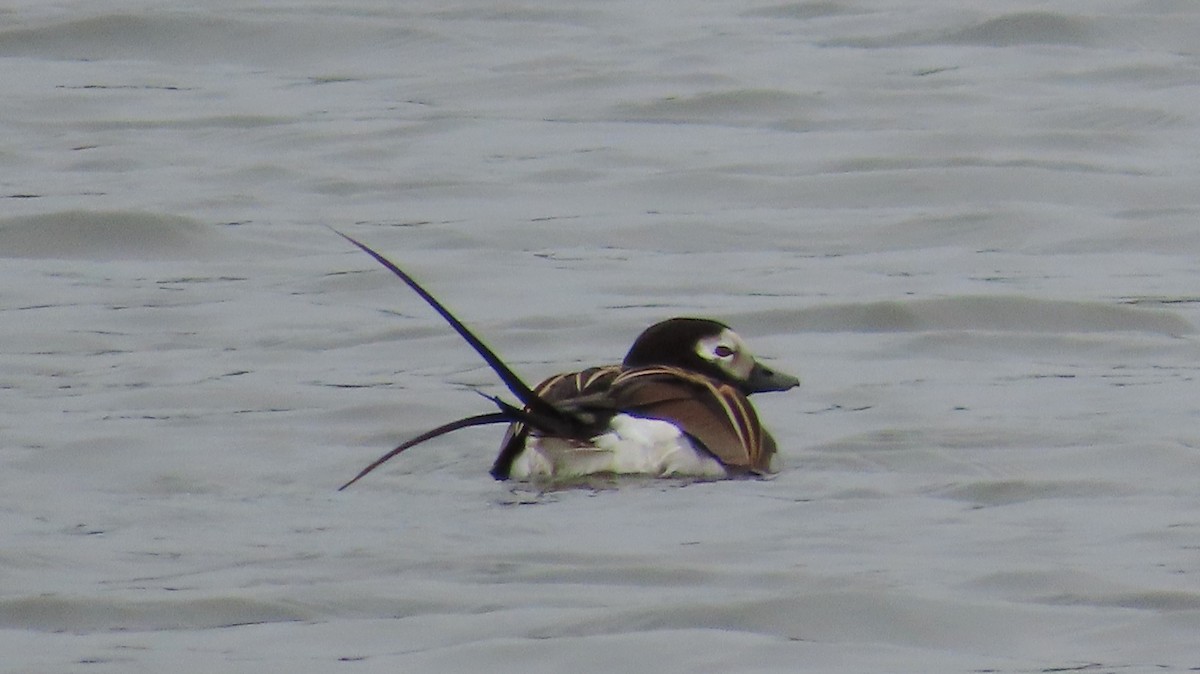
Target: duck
column 676, row 406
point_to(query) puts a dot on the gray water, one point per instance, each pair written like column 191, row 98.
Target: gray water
column 969, row 227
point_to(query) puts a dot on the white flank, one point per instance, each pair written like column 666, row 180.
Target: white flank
column 631, row 446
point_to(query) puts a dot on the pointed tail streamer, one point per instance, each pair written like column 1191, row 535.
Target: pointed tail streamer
column 479, row 420
column 538, row 413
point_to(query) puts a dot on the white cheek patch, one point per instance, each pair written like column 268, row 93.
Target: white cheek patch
column 737, row 363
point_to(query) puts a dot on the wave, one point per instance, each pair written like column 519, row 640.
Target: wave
column 110, row 235
column 78, row 614
column 996, row 313
column 196, row 38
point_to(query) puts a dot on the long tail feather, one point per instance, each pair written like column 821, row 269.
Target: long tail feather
column 548, row 413
column 517, row 415
column 478, row 420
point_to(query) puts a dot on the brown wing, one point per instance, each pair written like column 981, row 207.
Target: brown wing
column 569, row 389
column 570, row 385
column 715, row 414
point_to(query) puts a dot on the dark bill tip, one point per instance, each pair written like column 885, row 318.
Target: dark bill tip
column 763, row 379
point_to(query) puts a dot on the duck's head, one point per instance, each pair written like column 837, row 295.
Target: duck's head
column 709, row 347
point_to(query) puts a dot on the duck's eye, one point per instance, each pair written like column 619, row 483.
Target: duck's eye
column 723, row 351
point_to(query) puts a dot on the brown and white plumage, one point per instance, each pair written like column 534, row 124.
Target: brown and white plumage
column 676, row 406
column 694, row 373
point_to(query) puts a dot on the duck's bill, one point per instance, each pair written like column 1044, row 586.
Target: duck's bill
column 763, row 379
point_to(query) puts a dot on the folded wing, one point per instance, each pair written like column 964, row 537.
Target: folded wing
column 714, row 414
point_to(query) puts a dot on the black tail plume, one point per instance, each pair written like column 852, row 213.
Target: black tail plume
column 548, row 413
column 478, row 420
column 538, row 412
